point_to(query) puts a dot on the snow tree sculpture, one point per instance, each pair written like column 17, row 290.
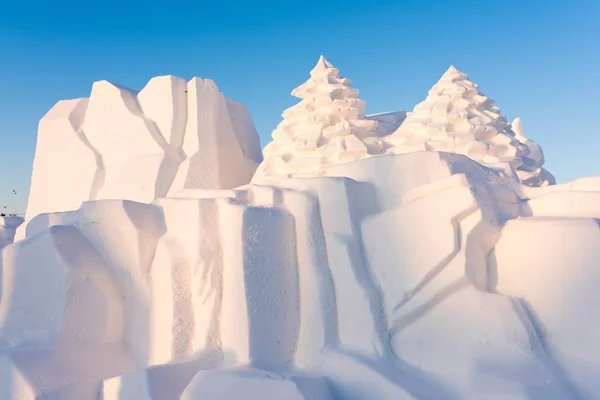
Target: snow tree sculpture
column 531, row 172
column 455, row 117
column 327, row 126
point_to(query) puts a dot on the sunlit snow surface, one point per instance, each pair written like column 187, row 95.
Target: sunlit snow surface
column 155, row 263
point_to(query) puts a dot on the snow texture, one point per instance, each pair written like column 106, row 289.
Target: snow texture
column 8, row 228
column 531, row 172
column 418, row 275
column 141, row 145
column 327, row 126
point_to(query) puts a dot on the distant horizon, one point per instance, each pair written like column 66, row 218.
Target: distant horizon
column 538, row 61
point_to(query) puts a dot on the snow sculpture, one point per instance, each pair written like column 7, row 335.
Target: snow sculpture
column 8, row 227
column 404, row 276
column 141, row 145
column 327, row 126
column 455, row 117
column 531, row 172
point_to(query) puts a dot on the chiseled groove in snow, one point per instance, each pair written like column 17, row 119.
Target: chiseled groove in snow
column 151, row 126
column 435, row 187
column 323, row 272
column 343, row 235
column 313, row 230
column 100, row 174
column 395, row 375
column 363, row 272
column 412, row 316
column 174, row 152
column 535, row 330
column 451, row 182
column 171, row 154
column 408, row 319
column 145, row 260
column 438, row 268
column 202, row 123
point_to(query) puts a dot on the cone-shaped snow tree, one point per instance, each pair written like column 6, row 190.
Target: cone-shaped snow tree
column 531, row 172
column 327, row 126
column 455, row 117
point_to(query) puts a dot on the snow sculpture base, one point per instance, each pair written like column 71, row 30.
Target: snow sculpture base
column 390, row 277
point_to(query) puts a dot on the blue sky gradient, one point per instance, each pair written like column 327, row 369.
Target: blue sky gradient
column 539, row 60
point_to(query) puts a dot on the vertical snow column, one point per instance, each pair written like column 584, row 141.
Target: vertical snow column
column 215, row 158
column 360, row 326
column 260, row 307
column 317, row 299
column 348, row 296
column 186, row 280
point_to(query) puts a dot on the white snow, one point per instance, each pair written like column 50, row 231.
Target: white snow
column 327, row 126
column 455, row 117
column 8, row 228
column 141, row 145
column 423, row 255
column 531, row 172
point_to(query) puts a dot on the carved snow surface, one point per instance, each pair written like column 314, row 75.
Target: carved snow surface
column 556, row 288
column 422, row 275
column 531, row 172
column 327, row 126
column 141, row 145
column 455, row 117
column 8, row 228
column 387, row 122
column 256, row 384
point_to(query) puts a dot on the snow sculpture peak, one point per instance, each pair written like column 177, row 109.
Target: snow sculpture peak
column 328, row 126
column 517, row 128
column 323, row 66
column 452, row 73
column 455, row 117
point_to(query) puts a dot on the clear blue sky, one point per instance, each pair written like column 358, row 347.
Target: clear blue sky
column 539, row 59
